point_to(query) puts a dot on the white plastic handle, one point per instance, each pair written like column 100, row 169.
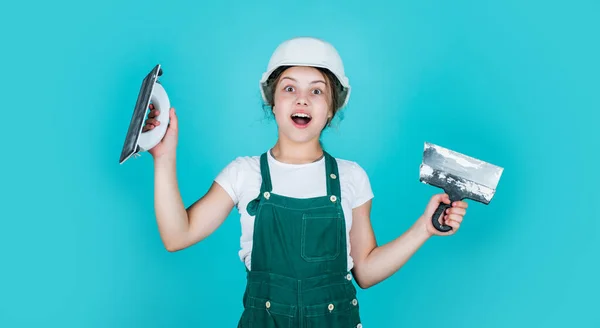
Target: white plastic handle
column 160, row 100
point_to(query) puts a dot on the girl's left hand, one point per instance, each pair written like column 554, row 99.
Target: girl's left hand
column 453, row 216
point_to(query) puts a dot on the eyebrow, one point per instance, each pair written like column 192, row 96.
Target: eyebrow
column 291, row 78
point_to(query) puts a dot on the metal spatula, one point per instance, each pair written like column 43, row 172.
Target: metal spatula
column 460, row 176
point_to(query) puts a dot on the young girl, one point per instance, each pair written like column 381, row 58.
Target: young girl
column 305, row 215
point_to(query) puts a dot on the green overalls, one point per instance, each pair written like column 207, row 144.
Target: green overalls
column 299, row 275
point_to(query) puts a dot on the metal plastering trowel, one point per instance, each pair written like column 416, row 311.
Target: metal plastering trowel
column 153, row 92
column 460, row 177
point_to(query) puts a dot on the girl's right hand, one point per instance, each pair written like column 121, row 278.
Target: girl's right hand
column 168, row 144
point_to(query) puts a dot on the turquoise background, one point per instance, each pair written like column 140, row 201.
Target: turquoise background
column 510, row 82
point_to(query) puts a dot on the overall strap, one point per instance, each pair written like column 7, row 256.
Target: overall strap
column 265, row 186
column 265, row 173
column 332, row 176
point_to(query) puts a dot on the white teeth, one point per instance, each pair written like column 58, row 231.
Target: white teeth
column 300, row 115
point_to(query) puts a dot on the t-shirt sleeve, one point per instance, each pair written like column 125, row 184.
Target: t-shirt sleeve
column 362, row 186
column 228, row 178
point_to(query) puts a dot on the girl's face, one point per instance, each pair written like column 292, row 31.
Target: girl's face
column 302, row 103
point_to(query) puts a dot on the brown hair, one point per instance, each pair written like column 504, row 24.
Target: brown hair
column 335, row 89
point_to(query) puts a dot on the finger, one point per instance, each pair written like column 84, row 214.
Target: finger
column 435, row 201
column 147, row 127
column 454, row 217
column 442, row 198
column 153, row 113
column 455, row 225
column 460, row 204
column 151, row 106
column 456, row 210
column 153, row 121
column 173, row 124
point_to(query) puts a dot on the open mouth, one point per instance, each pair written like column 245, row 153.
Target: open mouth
column 301, row 119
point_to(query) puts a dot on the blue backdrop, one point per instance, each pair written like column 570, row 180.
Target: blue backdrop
column 510, row 82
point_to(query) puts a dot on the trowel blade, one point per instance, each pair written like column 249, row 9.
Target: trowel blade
column 140, row 111
column 460, row 176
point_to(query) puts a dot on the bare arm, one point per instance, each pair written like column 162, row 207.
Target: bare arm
column 372, row 263
column 180, row 227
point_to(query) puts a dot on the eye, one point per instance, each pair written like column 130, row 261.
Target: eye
column 289, row 89
column 317, row 91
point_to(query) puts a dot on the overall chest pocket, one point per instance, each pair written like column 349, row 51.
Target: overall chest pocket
column 321, row 236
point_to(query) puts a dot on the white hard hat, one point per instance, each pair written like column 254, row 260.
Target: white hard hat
column 307, row 51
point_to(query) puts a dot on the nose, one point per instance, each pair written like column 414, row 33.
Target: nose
column 301, row 100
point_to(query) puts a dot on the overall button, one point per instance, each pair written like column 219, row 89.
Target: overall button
column 268, row 304
column 359, row 325
column 267, row 194
column 354, row 302
column 333, row 198
column 330, row 307
column 332, row 176
column 349, row 276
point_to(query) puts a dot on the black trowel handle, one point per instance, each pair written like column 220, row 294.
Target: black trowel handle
column 436, row 215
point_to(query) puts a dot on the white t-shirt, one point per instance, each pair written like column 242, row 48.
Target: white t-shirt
column 241, row 179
